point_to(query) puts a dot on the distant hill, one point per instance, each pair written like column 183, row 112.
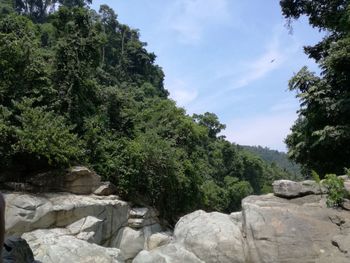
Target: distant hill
column 279, row 158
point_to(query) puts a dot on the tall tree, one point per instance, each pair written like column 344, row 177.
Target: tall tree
column 320, row 137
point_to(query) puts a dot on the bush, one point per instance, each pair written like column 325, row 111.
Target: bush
column 45, row 135
column 336, row 191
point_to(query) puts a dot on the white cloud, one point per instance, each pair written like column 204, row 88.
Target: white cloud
column 181, row 92
column 264, row 130
column 189, row 18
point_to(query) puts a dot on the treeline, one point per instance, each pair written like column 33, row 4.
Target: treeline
column 274, row 157
column 78, row 87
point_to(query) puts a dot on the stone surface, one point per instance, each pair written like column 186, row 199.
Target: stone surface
column 106, row 188
column 171, row 253
column 299, row 228
column 143, row 216
column 347, row 186
column 158, row 239
column 131, row 241
column 89, row 229
column 292, row 231
column 76, row 180
column 25, row 212
column 212, row 237
column 291, row 189
column 80, row 180
column 56, row 246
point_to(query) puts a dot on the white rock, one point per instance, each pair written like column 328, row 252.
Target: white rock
column 88, row 228
column 171, row 253
column 158, row 239
column 25, row 213
column 55, row 246
column 130, row 242
column 212, row 237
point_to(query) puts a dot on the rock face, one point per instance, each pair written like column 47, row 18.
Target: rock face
column 298, row 228
column 26, row 212
column 76, row 180
column 58, row 246
column 293, row 225
column 201, row 237
column 65, row 227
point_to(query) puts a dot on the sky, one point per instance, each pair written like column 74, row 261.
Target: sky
column 230, row 57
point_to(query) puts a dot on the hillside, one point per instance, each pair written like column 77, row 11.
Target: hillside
column 275, row 157
column 79, row 87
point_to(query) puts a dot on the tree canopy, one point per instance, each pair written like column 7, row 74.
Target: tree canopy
column 320, row 137
column 79, row 87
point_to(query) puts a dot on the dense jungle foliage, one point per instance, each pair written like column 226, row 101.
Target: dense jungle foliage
column 320, row 138
column 78, row 87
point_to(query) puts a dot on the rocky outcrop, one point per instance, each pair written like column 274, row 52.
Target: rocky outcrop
column 58, row 246
column 27, row 212
column 65, row 227
column 297, row 228
column 76, row 180
column 293, row 225
column 205, row 237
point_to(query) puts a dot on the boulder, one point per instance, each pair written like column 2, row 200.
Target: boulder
column 80, row 180
column 89, row 229
column 291, row 189
column 25, row 213
column 57, row 246
column 200, row 237
column 292, row 231
column 212, row 237
column 158, row 240
column 172, row 253
column 106, row 188
column 142, row 216
column 76, row 180
column 131, row 241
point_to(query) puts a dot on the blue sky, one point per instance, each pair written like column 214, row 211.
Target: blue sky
column 230, row 57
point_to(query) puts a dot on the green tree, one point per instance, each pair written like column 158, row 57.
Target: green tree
column 320, row 137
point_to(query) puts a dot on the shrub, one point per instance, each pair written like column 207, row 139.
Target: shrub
column 45, row 135
column 336, row 191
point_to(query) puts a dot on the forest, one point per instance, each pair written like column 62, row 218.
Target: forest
column 79, row 87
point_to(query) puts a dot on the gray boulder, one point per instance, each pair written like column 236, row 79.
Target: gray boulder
column 172, row 253
column 201, row 237
column 291, row 189
column 25, row 213
column 297, row 230
column 106, row 188
column 212, row 237
column 57, row 246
